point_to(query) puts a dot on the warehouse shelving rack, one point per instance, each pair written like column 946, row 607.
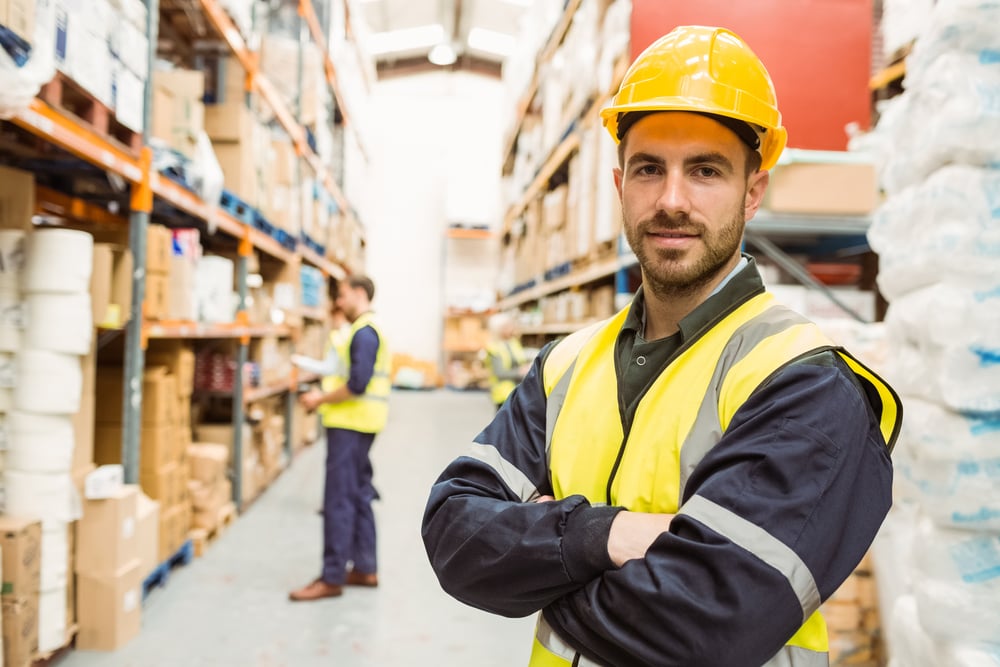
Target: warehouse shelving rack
column 767, row 232
column 146, row 186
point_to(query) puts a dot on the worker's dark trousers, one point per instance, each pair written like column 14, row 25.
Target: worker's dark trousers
column 348, row 520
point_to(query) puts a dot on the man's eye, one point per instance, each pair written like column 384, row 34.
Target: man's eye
column 706, row 172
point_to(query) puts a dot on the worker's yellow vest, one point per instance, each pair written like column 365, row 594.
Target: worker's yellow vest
column 704, row 388
column 511, row 354
column 368, row 412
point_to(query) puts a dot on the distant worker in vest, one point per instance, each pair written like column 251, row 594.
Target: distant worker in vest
column 506, row 361
column 685, row 483
column 354, row 405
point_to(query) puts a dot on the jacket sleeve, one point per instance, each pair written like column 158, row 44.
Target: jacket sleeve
column 364, row 349
column 490, row 544
column 775, row 517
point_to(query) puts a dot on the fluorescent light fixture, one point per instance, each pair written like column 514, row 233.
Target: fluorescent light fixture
column 407, row 39
column 442, row 54
column 491, row 41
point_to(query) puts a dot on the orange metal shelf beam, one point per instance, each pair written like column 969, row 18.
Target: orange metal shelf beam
column 459, row 233
column 181, row 329
column 323, row 264
column 308, row 14
column 231, row 34
column 43, row 121
column 52, row 202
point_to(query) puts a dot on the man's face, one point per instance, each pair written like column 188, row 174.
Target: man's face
column 685, row 198
column 347, row 301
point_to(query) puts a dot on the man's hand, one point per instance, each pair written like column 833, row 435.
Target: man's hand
column 632, row 533
column 311, row 400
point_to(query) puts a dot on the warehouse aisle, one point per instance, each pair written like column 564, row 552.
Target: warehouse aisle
column 231, row 608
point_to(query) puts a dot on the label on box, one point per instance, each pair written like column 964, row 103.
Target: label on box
column 128, row 528
column 130, row 600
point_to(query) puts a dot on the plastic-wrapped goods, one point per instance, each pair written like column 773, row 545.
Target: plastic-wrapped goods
column 909, row 644
column 55, row 564
column 58, row 260
column 902, row 21
column 59, row 323
column 52, row 619
column 969, row 26
column 40, row 443
column 946, row 227
column 970, row 655
column 11, row 321
column 52, row 498
column 957, row 583
column 946, row 344
column 48, row 383
column 954, row 463
column 952, row 117
column 11, row 259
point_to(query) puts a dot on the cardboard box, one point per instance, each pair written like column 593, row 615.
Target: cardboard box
column 157, row 445
column 208, row 462
column 822, row 189
column 239, row 170
column 159, row 250
column 21, row 548
column 159, row 396
column 106, row 534
column 18, row 16
column 181, row 303
column 147, row 533
column 178, row 358
column 160, row 484
column 109, row 608
column 182, row 93
column 111, row 285
column 157, row 304
column 171, row 535
column 231, row 121
column 17, row 198
column 20, row 629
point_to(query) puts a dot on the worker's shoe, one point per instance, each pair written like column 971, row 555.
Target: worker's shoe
column 317, row 590
column 355, row 578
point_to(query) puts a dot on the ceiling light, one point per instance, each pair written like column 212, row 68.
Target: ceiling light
column 407, row 39
column 442, row 54
column 491, row 41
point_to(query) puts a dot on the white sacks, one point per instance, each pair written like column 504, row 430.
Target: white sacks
column 59, row 322
column 39, row 443
column 946, row 227
column 48, row 383
column 58, row 260
column 952, row 464
column 957, row 583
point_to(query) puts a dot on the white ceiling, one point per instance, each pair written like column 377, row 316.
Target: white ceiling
column 403, row 32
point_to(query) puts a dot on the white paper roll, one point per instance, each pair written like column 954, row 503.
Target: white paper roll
column 51, row 619
column 55, row 556
column 11, row 258
column 59, row 323
column 51, row 498
column 11, row 320
column 40, row 443
column 58, row 260
column 48, row 383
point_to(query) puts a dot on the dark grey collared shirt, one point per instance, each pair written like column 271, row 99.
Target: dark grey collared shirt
column 639, row 362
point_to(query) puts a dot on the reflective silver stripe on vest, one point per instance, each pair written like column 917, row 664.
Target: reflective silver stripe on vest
column 516, row 480
column 760, row 543
column 554, row 644
column 554, row 403
column 707, row 424
column 796, row 656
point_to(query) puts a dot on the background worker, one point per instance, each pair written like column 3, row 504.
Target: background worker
column 506, row 361
column 354, row 406
column 685, row 483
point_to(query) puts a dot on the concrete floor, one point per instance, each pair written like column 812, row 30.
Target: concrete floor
column 230, row 607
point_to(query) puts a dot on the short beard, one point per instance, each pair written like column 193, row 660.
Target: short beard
column 671, row 284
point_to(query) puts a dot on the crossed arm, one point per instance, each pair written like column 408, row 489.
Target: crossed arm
column 802, row 461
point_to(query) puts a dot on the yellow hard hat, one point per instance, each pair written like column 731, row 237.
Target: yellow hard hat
column 704, row 70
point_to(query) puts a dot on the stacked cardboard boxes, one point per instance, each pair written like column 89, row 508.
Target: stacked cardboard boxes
column 852, row 618
column 178, row 110
column 162, row 464
column 21, row 545
column 210, row 489
column 109, row 571
column 159, row 249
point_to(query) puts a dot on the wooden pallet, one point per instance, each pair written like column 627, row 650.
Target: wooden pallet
column 203, row 537
column 161, row 574
column 68, row 96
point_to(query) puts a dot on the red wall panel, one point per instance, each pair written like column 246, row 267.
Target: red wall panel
column 817, row 51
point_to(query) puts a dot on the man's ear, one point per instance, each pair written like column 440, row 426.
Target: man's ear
column 618, row 181
column 756, row 187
